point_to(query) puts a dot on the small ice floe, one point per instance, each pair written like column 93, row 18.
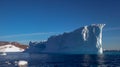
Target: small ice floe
column 22, row 63
column 7, row 62
column 3, row 53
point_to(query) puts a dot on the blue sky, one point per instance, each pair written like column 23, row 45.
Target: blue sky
column 35, row 20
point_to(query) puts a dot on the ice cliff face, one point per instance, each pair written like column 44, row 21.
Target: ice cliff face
column 85, row 40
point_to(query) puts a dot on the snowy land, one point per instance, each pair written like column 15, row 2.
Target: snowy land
column 12, row 47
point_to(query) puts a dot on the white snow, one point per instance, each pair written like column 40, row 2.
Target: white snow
column 85, row 40
column 10, row 48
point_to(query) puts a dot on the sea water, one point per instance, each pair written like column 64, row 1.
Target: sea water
column 108, row 59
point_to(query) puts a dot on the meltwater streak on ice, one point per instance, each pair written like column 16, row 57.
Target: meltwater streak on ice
column 84, row 40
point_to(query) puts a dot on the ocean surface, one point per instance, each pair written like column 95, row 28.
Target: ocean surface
column 108, row 59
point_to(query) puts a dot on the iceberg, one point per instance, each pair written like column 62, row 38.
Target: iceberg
column 84, row 40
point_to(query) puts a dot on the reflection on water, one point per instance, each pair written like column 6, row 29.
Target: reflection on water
column 58, row 60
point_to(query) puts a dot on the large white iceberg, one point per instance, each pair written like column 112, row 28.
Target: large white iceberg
column 84, row 40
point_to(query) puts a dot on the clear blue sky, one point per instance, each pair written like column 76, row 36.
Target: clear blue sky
column 25, row 20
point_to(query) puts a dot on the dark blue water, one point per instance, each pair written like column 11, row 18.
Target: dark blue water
column 108, row 59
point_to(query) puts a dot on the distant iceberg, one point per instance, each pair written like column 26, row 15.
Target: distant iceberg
column 84, row 40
